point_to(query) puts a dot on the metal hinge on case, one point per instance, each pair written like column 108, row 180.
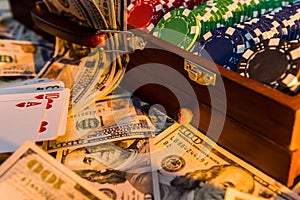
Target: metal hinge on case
column 130, row 42
column 199, row 74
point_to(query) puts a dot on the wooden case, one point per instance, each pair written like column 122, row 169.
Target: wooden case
column 260, row 124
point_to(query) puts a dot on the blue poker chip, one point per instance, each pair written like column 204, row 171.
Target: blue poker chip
column 273, row 28
column 283, row 20
column 223, row 45
column 293, row 21
column 252, row 33
column 285, row 29
column 266, row 29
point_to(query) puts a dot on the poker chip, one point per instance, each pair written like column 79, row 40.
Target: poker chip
column 179, row 27
column 172, row 4
column 282, row 23
column 274, row 62
column 202, row 27
column 144, row 14
column 252, row 32
column 214, row 14
column 224, row 46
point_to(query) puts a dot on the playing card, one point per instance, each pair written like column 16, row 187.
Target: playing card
column 37, row 87
column 54, row 115
column 20, row 121
column 51, row 124
column 32, row 81
column 57, row 97
column 64, row 115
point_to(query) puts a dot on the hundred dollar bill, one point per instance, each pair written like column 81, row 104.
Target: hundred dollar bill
column 82, row 12
column 65, row 63
column 90, row 72
column 98, row 75
column 98, row 14
column 107, row 8
column 22, row 58
column 5, row 10
column 114, row 12
column 104, row 113
column 4, row 5
column 191, row 166
column 138, row 127
column 159, row 119
column 121, row 14
column 86, row 71
column 233, row 194
column 122, row 170
column 30, row 173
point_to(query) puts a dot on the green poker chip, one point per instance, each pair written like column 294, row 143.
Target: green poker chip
column 183, row 27
column 179, row 27
column 204, row 13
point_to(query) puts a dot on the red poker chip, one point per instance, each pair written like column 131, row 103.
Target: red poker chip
column 144, row 14
column 198, row 2
column 189, row 4
column 173, row 4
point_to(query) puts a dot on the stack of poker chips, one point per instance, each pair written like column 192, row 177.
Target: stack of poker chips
column 145, row 14
column 175, row 26
column 220, row 13
column 283, row 22
column 274, row 62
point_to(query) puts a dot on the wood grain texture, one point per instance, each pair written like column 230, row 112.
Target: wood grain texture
column 263, row 153
column 264, row 109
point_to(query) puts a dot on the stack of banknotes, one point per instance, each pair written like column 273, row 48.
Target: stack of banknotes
column 103, row 142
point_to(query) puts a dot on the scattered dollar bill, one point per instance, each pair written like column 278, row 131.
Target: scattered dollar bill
column 191, row 166
column 159, row 119
column 111, row 119
column 122, row 170
column 99, row 74
column 139, row 127
column 65, row 63
column 22, row 58
column 31, row 173
column 104, row 113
